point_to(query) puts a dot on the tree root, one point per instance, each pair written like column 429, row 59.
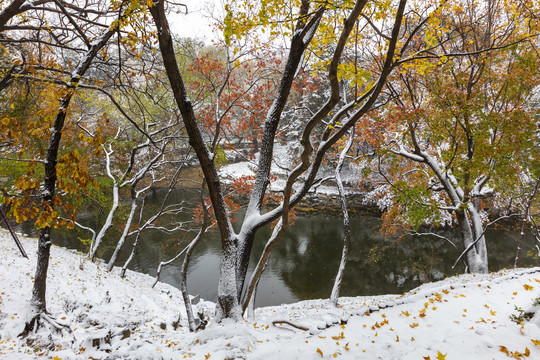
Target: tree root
column 50, row 324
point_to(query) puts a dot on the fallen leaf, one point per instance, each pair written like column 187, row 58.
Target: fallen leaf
column 207, row 356
column 413, row 325
column 320, row 352
column 406, row 313
column 503, row 349
column 440, row 356
column 535, row 342
column 527, row 287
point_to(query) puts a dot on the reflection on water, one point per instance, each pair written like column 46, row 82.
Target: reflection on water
column 303, row 265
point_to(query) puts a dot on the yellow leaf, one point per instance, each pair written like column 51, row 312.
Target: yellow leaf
column 320, row 352
column 535, row 342
column 57, row 358
column 440, row 356
column 503, row 349
column 207, row 356
column 413, row 325
column 406, row 313
column 527, row 287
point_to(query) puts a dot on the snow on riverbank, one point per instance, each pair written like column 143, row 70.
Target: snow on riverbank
column 465, row 317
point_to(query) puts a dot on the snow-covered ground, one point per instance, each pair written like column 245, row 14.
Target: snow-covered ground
column 464, row 317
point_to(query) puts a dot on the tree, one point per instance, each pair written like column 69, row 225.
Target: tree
column 322, row 129
column 460, row 123
column 53, row 45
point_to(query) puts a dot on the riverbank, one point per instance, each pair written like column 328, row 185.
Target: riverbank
column 461, row 317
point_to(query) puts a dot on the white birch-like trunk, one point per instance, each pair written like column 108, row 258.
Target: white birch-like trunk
column 480, row 249
column 108, row 223
column 122, row 239
column 334, row 295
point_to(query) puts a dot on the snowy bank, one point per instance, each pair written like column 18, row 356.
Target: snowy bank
column 463, row 317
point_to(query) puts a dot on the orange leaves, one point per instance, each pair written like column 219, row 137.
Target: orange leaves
column 527, row 287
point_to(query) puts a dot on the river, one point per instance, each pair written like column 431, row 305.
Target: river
column 305, row 262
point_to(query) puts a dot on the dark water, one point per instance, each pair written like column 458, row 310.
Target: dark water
column 303, row 265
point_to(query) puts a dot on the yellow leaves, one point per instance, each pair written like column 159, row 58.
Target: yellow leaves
column 515, row 354
column 406, row 313
column 536, row 342
column 340, row 336
column 527, row 287
column 413, row 325
column 207, row 356
column 320, row 352
column 57, row 358
column 440, row 356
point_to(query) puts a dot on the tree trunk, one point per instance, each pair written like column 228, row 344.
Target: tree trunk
column 477, row 254
column 183, row 276
column 334, row 295
column 227, row 304
column 49, row 188
column 122, row 240
column 107, row 225
column 49, row 184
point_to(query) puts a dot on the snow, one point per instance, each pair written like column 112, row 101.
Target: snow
column 463, row 317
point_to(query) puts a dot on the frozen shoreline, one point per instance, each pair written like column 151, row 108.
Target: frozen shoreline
column 464, row 317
